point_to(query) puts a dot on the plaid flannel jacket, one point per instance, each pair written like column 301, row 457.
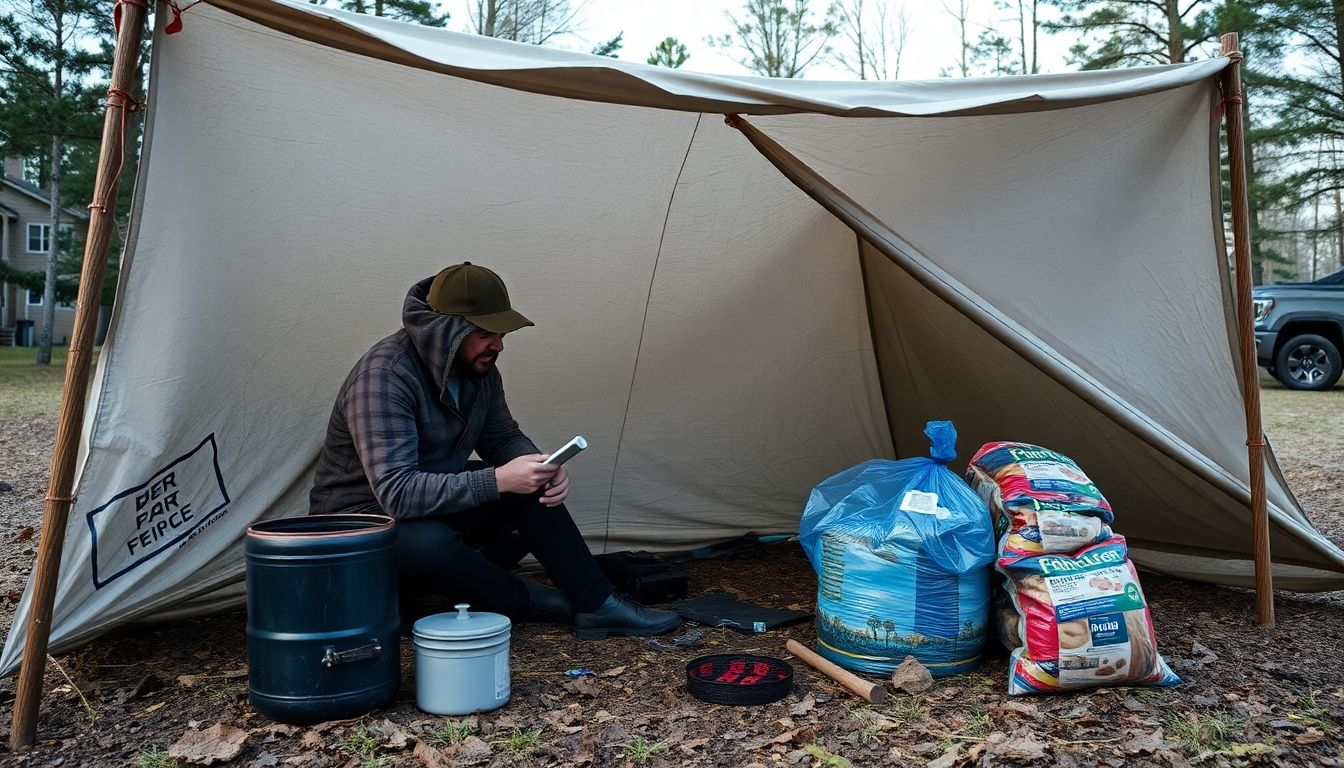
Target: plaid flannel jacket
column 396, row 440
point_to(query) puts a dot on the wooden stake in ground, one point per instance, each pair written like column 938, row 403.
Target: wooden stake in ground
column 28, row 695
column 1250, row 372
column 873, row 693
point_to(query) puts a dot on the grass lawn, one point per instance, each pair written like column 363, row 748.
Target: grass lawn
column 27, row 389
column 1306, row 423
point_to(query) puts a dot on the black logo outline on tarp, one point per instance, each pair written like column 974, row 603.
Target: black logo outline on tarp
column 93, row 529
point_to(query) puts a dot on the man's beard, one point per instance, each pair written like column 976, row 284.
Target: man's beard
column 481, row 365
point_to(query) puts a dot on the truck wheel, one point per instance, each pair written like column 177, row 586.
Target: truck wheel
column 1309, row 362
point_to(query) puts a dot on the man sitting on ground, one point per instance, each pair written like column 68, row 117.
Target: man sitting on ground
column 405, row 422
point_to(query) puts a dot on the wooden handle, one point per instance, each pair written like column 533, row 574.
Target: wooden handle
column 873, row 693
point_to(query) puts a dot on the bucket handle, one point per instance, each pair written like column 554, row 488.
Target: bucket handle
column 332, row 657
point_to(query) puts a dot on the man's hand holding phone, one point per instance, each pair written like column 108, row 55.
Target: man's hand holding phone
column 540, row 472
column 526, row 474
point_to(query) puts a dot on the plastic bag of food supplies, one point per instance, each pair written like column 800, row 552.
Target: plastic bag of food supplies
column 1082, row 621
column 1041, row 500
column 902, row 551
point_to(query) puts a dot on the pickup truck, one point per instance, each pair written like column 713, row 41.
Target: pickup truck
column 1299, row 331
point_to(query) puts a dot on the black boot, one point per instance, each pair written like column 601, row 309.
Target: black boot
column 621, row 616
column 547, row 604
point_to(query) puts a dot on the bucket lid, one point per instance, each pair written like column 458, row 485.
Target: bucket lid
column 462, row 625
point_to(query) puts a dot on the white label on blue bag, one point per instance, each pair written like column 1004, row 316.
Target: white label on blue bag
column 758, row 626
column 924, row 503
column 920, row 502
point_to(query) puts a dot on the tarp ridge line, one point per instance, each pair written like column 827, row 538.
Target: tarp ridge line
column 591, row 78
column 1036, row 351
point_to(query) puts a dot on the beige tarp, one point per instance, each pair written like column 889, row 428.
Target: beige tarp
column 728, row 315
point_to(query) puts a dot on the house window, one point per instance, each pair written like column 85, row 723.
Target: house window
column 38, row 240
column 34, row 298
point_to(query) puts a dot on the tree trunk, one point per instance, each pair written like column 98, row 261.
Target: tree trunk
column 53, row 248
column 1175, row 40
column 1337, row 7
column 1337, row 10
column 965, row 44
column 1022, row 32
column 53, row 235
column 1315, row 236
column 1035, row 29
column 863, row 52
column 1339, row 231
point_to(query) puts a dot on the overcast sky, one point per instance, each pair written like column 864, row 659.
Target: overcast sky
column 932, row 45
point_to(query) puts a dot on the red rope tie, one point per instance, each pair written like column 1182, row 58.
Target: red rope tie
column 122, row 98
column 61, row 499
column 175, row 25
column 117, row 98
column 1235, row 57
column 1221, row 109
column 1255, row 443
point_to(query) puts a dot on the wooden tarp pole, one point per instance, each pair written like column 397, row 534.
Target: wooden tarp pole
column 23, row 728
column 1250, row 372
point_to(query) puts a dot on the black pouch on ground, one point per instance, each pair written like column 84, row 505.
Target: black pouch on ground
column 644, row 576
column 722, row 610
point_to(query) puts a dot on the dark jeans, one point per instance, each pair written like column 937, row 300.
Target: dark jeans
column 465, row 557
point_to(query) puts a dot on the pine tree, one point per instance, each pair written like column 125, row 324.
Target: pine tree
column 610, row 47
column 46, row 105
column 1262, row 45
column 1118, row 33
column 670, row 53
column 993, row 54
column 1310, row 99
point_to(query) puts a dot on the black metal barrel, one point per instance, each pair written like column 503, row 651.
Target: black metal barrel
column 323, row 633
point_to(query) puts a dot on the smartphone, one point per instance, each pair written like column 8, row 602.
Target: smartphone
column 567, row 451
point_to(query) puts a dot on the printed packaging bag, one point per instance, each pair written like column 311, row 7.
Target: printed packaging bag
column 903, row 553
column 1041, row 500
column 1082, row 621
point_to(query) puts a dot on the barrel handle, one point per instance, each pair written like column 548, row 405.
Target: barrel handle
column 332, row 657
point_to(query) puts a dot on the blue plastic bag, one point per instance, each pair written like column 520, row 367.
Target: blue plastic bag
column 903, row 553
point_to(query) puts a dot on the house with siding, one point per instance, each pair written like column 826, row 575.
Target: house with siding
column 25, row 231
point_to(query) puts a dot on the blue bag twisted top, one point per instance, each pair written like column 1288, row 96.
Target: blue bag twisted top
column 902, row 551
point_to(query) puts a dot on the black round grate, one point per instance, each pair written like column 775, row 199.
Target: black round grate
column 739, row 678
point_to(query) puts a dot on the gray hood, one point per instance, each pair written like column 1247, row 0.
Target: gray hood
column 434, row 335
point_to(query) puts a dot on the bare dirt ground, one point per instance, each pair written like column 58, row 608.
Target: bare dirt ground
column 1249, row 696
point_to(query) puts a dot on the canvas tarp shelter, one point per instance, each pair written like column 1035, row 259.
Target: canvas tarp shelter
column 729, row 315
